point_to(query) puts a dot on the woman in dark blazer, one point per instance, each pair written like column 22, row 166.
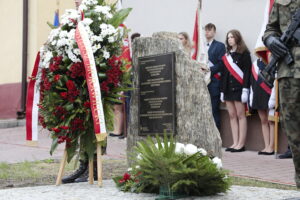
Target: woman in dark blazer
column 235, row 83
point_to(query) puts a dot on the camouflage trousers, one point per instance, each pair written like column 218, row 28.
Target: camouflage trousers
column 289, row 97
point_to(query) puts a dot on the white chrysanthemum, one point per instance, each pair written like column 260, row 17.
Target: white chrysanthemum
column 82, row 7
column 129, row 169
column 61, row 42
column 89, row 2
column 190, row 149
column 63, row 34
column 46, row 61
column 54, row 33
column 103, row 26
column 76, row 51
column 111, row 39
column 69, row 17
column 179, row 148
column 217, row 161
column 96, row 47
column 102, row 9
column 106, row 54
column 137, row 167
column 72, row 56
column 87, row 21
column 202, row 151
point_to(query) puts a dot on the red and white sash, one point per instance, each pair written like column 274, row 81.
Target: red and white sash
column 216, row 75
column 233, row 68
column 32, row 101
column 82, row 39
column 255, row 71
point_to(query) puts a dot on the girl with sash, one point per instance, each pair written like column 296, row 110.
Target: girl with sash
column 235, row 83
column 259, row 99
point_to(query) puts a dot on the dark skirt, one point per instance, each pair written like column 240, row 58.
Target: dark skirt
column 233, row 95
column 260, row 98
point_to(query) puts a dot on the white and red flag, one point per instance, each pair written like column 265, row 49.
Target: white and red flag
column 199, row 51
column 260, row 49
column 32, row 101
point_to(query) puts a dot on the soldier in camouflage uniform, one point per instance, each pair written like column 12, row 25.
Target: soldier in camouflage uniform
column 288, row 75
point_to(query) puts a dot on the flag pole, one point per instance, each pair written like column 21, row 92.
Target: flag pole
column 276, row 120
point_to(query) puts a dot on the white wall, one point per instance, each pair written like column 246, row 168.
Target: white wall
column 150, row 16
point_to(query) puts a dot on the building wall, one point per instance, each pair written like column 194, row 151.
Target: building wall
column 11, row 42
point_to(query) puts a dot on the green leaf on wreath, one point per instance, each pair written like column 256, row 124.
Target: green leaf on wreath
column 69, row 107
column 53, row 145
column 119, row 17
column 71, row 150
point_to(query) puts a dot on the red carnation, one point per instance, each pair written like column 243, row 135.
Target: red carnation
column 56, row 77
column 47, row 84
column 64, row 127
column 104, row 87
column 77, row 70
column 126, row 176
column 56, row 130
column 63, row 95
column 87, row 104
column 77, row 124
column 70, row 85
column 53, row 67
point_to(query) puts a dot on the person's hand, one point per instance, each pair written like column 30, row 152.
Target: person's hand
column 277, row 48
column 245, row 95
column 222, row 97
column 271, row 103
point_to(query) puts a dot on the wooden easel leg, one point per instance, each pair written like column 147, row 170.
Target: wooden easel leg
column 99, row 164
column 61, row 168
column 91, row 171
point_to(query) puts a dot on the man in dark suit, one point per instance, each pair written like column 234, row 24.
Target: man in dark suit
column 216, row 50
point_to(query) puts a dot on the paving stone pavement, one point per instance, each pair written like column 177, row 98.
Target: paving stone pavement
column 245, row 164
column 84, row 191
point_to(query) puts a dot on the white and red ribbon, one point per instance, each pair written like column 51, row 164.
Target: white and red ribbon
column 233, row 68
column 255, row 71
column 32, row 101
column 82, row 39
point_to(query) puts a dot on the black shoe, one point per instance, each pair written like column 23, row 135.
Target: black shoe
column 269, row 153
column 239, row 150
column 71, row 178
column 115, row 135
column 261, row 153
column 229, row 149
column 287, row 154
column 85, row 176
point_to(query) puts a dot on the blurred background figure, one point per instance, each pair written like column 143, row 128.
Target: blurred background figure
column 186, row 42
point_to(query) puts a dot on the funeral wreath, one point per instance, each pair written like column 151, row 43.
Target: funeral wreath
column 65, row 107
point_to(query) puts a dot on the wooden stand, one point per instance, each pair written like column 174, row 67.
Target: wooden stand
column 61, row 168
column 99, row 165
column 91, row 167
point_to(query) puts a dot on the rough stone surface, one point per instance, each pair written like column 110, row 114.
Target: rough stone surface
column 195, row 123
column 84, row 191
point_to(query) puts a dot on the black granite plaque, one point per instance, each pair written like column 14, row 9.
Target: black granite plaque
column 157, row 94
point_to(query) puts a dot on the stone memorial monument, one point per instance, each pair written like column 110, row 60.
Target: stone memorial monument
column 170, row 95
